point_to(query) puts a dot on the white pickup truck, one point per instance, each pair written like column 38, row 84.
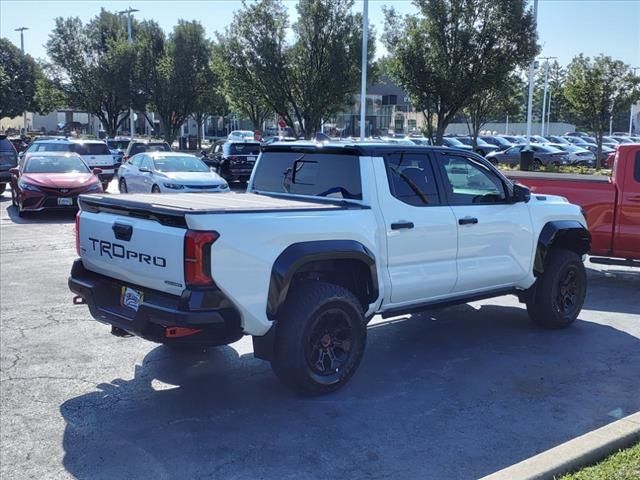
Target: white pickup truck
column 325, row 238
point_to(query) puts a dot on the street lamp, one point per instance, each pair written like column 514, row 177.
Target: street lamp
column 526, row 155
column 24, row 114
column 546, row 85
column 129, row 11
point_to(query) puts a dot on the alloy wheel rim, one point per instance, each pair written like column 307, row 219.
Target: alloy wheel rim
column 330, row 343
column 567, row 292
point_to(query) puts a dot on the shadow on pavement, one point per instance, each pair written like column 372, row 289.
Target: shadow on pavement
column 454, row 394
column 613, row 290
column 44, row 217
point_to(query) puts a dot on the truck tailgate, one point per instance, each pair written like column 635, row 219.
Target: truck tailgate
column 138, row 251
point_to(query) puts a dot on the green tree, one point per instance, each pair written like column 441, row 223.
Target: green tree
column 597, row 88
column 96, row 63
column 497, row 102
column 455, row 49
column 208, row 101
column 172, row 71
column 307, row 80
column 18, row 81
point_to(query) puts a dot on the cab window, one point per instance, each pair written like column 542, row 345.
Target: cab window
column 469, row 181
column 411, row 179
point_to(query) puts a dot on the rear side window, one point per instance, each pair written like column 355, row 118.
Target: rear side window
column 157, row 147
column 51, row 147
column 636, row 170
column 315, row 174
column 411, row 179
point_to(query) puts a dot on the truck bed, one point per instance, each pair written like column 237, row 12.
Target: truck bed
column 522, row 176
column 181, row 204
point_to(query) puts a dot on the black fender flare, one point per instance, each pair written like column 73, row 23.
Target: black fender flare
column 567, row 234
column 297, row 255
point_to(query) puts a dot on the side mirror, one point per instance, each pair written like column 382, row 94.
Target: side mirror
column 144, row 170
column 203, row 153
column 521, row 193
column 14, row 171
column 97, row 171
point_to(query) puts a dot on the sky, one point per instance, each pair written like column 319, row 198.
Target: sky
column 565, row 27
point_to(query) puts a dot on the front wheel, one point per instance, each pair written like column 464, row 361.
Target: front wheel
column 320, row 338
column 560, row 290
column 155, row 189
column 122, row 186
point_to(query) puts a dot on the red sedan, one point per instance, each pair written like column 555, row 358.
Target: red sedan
column 52, row 180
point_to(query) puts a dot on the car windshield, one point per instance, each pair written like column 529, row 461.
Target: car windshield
column 464, row 140
column 452, row 142
column 499, row 140
column 57, row 164
column 588, row 139
column 547, row 149
column 118, row 144
column 90, row 148
column 179, row 164
column 244, row 149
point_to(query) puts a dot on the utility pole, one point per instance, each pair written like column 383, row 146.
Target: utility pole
column 129, row 11
column 363, row 80
column 631, row 107
column 24, row 114
column 548, row 112
column 526, row 156
column 544, row 95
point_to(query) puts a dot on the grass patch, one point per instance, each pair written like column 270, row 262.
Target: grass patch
column 580, row 170
column 624, row 465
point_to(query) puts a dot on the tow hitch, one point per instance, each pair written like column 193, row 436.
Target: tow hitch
column 119, row 332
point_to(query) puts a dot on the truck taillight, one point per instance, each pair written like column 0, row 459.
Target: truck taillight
column 78, row 233
column 197, row 258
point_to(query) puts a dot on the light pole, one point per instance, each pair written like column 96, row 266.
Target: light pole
column 363, row 80
column 633, row 70
column 544, row 95
column 532, row 69
column 24, row 114
column 129, row 11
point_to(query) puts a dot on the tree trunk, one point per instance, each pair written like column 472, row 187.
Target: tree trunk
column 599, row 136
column 440, row 129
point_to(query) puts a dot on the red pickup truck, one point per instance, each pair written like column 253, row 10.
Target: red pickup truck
column 611, row 204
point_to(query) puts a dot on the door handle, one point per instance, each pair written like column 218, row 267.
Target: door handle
column 401, row 225
column 468, row 221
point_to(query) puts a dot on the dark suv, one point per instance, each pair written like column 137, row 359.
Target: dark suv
column 233, row 160
column 8, row 159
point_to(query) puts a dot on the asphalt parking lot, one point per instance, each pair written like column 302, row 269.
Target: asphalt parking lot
column 455, row 393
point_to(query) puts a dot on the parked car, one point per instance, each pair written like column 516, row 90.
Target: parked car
column 577, row 155
column 420, row 141
column 483, row 148
column 610, row 204
column 19, row 143
column 95, row 154
column 52, row 181
column 543, row 155
column 325, row 238
column 498, row 141
column 576, row 134
column 536, row 139
column 622, row 139
column 8, row 160
column 138, row 146
column 168, row 172
column 118, row 146
column 453, row 142
column 241, row 136
column 270, row 140
column 234, row 160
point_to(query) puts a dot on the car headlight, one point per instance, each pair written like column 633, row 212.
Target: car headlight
column 27, row 186
column 174, row 186
column 224, row 186
column 94, row 187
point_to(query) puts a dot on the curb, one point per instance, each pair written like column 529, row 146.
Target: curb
column 580, row 452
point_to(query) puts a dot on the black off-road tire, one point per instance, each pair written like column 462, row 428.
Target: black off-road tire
column 559, row 293
column 301, row 350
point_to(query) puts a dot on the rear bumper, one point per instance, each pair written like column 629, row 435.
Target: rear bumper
column 208, row 311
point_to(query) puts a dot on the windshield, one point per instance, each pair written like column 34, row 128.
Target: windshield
column 244, row 149
column 316, row 174
column 179, row 164
column 452, row 142
column 90, row 148
column 57, row 164
column 118, row 144
column 546, row 149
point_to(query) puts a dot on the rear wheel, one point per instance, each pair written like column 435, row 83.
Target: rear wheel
column 155, row 189
column 122, row 186
column 14, row 197
column 105, row 185
column 320, row 338
column 3, row 187
column 560, row 291
column 537, row 162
